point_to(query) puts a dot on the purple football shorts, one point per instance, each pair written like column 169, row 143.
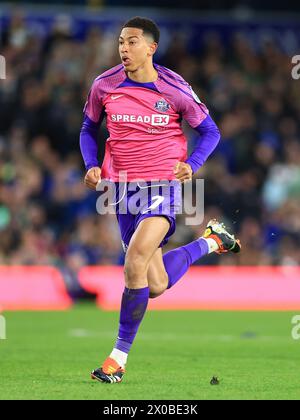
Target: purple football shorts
column 135, row 201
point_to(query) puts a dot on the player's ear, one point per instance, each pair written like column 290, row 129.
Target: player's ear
column 152, row 48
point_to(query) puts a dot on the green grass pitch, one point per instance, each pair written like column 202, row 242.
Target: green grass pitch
column 50, row 356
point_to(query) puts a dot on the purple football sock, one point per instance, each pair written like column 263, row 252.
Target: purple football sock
column 133, row 308
column 178, row 261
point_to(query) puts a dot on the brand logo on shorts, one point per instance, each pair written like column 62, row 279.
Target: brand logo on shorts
column 162, row 106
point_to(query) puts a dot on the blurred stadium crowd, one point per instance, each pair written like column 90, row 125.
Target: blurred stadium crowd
column 252, row 181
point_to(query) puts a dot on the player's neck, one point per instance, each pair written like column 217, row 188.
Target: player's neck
column 144, row 74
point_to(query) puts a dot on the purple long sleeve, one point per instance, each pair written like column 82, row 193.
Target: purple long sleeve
column 88, row 142
column 206, row 143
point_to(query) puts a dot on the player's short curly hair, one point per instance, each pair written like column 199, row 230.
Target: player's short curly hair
column 147, row 25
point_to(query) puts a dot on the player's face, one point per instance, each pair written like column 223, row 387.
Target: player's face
column 135, row 48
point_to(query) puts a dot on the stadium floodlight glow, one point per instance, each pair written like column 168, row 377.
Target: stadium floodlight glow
column 296, row 69
column 2, row 328
column 2, row 67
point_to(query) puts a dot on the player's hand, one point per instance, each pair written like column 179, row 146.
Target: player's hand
column 92, row 177
column 183, row 171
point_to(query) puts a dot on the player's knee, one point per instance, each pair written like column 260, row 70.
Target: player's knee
column 135, row 266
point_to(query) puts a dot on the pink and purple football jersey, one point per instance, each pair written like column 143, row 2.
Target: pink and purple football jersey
column 144, row 122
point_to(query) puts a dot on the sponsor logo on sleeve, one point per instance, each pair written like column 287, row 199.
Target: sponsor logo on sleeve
column 195, row 96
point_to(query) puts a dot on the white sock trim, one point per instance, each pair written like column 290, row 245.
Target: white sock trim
column 119, row 356
column 212, row 245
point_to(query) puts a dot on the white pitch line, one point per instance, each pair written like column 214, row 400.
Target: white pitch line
column 84, row 333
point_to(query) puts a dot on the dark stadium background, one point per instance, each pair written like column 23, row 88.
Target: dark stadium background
column 256, row 5
column 238, row 60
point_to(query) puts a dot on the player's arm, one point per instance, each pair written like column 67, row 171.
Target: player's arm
column 197, row 116
column 208, row 139
column 89, row 151
column 93, row 116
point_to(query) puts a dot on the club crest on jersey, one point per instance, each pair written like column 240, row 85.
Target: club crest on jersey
column 162, row 106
